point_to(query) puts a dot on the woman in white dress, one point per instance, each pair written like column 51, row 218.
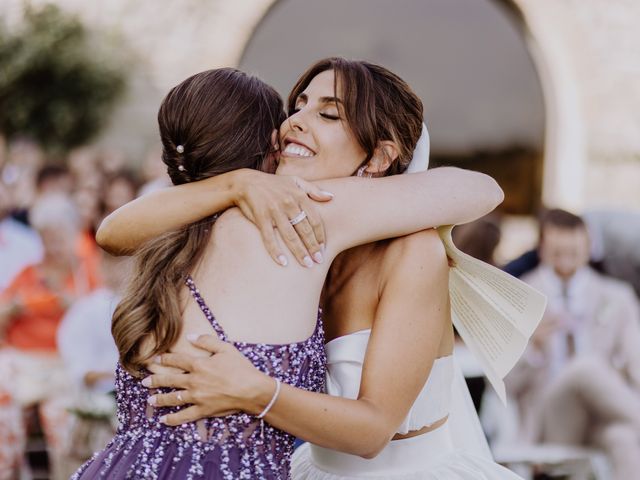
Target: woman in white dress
column 385, row 305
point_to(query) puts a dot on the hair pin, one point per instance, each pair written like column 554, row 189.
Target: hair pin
column 180, row 149
column 181, row 168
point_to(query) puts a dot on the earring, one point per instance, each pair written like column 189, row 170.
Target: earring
column 361, row 172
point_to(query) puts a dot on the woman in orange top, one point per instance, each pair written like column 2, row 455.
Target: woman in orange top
column 33, row 305
column 31, row 309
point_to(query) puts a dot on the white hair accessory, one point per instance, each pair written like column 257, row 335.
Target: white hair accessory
column 181, row 168
column 420, row 160
column 180, row 149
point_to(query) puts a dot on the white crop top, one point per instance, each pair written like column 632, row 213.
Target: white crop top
column 345, row 357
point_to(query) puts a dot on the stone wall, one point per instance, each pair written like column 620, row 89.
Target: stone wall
column 595, row 45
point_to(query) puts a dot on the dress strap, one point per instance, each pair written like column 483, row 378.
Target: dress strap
column 205, row 309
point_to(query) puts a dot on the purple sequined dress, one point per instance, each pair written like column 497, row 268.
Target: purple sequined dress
column 233, row 447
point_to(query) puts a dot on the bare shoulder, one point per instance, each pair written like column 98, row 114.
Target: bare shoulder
column 232, row 227
column 231, row 219
column 230, row 215
column 423, row 245
column 419, row 252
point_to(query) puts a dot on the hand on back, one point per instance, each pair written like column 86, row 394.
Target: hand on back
column 208, row 385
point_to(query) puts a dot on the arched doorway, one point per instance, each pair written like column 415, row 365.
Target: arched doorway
column 469, row 60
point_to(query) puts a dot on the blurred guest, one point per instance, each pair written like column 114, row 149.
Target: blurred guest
column 111, row 161
column 32, row 307
column 50, row 179
column 84, row 337
column 83, row 161
column 19, row 245
column 523, row 264
column 53, row 179
column 90, row 355
column 88, row 205
column 479, row 238
column 88, row 202
column 579, row 381
column 89, row 183
column 615, row 237
column 120, row 188
column 24, row 159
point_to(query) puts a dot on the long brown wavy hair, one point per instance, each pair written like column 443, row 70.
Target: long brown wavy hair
column 211, row 123
column 378, row 106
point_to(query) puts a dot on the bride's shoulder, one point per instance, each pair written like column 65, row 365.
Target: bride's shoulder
column 423, row 244
column 419, row 251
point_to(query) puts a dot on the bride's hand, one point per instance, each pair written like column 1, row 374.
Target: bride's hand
column 210, row 385
column 271, row 201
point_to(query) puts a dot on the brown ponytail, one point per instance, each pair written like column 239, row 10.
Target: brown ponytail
column 213, row 122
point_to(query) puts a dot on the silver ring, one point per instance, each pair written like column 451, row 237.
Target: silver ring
column 298, row 218
column 179, row 397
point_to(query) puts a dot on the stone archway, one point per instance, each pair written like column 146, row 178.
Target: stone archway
column 565, row 155
column 564, row 149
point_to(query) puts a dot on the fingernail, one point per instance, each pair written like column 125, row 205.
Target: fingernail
column 282, row 260
column 157, row 359
column 146, row 382
column 192, row 337
column 307, row 261
column 317, row 257
column 328, row 193
column 151, row 400
column 163, row 419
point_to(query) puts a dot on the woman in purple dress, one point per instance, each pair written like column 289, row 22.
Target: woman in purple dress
column 216, row 122
column 213, row 122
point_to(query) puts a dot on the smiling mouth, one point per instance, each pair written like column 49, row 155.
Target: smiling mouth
column 296, row 150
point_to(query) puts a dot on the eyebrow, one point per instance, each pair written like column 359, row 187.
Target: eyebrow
column 304, row 97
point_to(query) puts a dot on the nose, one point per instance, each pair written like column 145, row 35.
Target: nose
column 296, row 121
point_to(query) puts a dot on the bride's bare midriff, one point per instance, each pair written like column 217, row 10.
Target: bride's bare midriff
column 423, row 430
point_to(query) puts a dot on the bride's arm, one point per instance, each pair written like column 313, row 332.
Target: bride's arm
column 265, row 199
column 367, row 210
column 409, row 324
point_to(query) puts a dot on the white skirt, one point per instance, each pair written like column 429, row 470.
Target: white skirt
column 430, row 456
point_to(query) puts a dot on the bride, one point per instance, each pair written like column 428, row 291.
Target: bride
column 390, row 370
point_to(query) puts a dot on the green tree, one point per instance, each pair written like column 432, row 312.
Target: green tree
column 57, row 85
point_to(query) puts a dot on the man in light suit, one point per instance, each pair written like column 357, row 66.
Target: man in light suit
column 579, row 380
